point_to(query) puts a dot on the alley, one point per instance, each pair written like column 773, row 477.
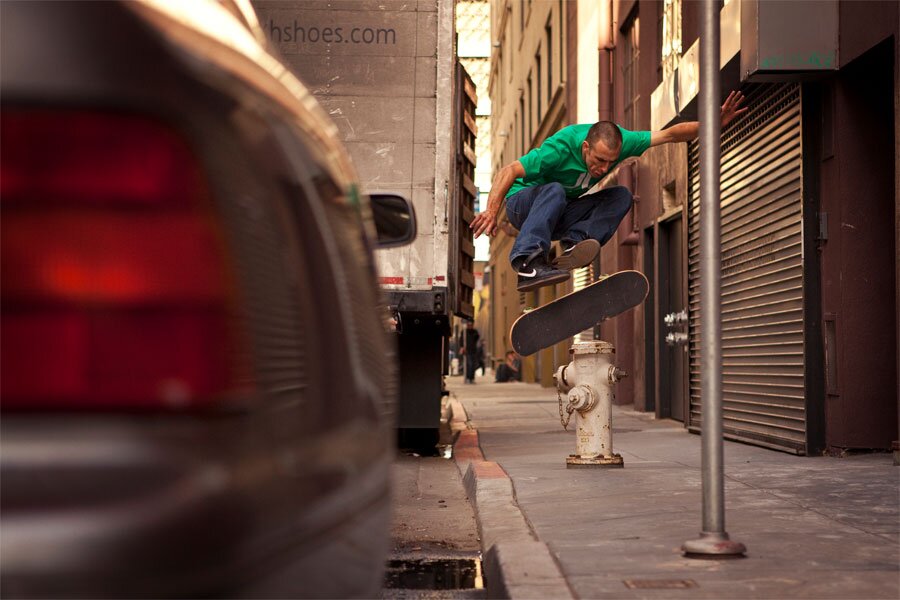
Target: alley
column 435, row 549
column 814, row 527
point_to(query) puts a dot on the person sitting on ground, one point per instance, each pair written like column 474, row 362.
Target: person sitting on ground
column 511, row 370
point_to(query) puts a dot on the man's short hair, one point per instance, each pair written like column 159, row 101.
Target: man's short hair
column 606, row 132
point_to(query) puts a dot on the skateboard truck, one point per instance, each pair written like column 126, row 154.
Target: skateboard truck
column 588, row 382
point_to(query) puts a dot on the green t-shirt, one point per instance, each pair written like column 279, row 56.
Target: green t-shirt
column 559, row 159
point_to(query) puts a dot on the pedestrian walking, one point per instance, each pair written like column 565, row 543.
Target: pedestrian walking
column 479, row 357
column 470, row 351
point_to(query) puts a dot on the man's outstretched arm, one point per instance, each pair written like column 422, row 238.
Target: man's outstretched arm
column 685, row 132
column 486, row 221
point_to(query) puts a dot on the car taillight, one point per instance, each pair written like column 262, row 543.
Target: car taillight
column 115, row 287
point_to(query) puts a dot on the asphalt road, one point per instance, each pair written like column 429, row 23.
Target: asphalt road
column 434, row 535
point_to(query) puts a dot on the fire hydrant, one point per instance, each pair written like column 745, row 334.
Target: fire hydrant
column 588, row 382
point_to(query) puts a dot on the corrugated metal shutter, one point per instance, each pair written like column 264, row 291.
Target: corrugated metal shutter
column 762, row 274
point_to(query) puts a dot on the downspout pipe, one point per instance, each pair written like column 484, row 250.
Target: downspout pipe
column 629, row 233
column 606, row 45
column 627, row 176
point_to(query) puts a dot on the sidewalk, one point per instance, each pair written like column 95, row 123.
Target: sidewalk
column 814, row 527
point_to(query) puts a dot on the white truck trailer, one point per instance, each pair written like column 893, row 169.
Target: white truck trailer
column 387, row 73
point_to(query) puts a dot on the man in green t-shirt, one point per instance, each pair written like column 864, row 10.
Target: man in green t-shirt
column 544, row 193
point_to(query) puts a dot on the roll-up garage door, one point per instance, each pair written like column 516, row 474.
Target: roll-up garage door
column 762, row 274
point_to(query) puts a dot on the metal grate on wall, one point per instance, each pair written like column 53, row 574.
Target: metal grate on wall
column 762, row 273
column 466, row 192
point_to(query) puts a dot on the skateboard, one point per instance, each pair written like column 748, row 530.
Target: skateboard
column 580, row 310
column 580, row 255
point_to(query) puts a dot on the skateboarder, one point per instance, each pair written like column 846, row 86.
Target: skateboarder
column 543, row 192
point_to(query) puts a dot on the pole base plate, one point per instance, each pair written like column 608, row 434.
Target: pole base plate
column 713, row 546
column 574, row 461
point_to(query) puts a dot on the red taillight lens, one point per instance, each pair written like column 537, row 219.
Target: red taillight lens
column 115, row 291
column 94, row 159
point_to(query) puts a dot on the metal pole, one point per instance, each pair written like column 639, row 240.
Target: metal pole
column 713, row 539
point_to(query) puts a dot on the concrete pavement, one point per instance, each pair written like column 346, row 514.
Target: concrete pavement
column 814, row 527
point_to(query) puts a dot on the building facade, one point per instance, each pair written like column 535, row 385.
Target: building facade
column 810, row 210
column 473, row 47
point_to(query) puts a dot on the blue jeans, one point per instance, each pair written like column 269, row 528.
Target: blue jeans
column 543, row 213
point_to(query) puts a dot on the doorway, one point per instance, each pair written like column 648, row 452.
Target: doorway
column 672, row 320
column 859, row 257
column 647, row 403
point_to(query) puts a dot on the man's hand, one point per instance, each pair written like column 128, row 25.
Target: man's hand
column 731, row 109
column 484, row 222
column 687, row 131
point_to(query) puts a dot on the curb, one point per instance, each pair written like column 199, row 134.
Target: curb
column 516, row 563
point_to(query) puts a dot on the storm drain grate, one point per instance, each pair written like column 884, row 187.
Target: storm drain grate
column 431, row 574
column 660, row 584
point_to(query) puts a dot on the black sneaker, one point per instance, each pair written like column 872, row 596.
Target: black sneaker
column 534, row 272
column 576, row 254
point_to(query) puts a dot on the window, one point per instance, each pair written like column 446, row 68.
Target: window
column 670, row 34
column 498, row 80
column 548, row 45
column 630, row 71
column 660, row 17
column 507, row 38
column 530, row 110
column 561, row 33
column 537, row 79
column 522, row 124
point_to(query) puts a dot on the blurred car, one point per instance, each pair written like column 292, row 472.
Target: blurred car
column 196, row 378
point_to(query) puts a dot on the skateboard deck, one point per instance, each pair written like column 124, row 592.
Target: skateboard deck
column 580, row 310
column 580, row 255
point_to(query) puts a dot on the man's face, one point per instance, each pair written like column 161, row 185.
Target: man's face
column 598, row 157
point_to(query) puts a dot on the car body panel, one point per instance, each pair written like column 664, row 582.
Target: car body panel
column 281, row 488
